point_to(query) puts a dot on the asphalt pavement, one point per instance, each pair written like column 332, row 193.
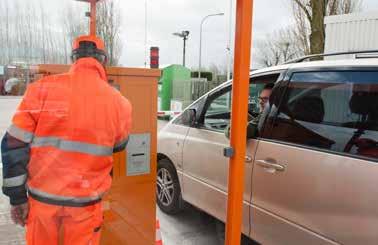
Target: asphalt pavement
column 190, row 227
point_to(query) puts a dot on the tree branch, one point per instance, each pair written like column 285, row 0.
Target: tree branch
column 333, row 7
column 303, row 7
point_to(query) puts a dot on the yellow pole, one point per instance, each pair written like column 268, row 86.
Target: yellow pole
column 240, row 93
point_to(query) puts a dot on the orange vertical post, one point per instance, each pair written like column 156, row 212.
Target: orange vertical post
column 240, row 93
column 93, row 18
column 92, row 15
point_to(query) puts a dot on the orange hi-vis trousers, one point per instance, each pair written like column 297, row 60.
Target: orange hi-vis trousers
column 50, row 224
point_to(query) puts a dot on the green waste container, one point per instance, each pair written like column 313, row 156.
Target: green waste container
column 170, row 75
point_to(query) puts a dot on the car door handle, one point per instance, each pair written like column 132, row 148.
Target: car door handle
column 270, row 165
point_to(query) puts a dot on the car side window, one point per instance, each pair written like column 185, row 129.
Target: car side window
column 218, row 114
column 334, row 111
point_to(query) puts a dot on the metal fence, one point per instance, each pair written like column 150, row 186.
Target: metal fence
column 186, row 92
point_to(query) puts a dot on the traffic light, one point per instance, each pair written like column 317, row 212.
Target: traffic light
column 154, row 57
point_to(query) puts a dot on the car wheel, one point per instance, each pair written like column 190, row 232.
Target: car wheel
column 168, row 191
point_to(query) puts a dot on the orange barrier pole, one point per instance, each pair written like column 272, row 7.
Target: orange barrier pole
column 93, row 18
column 240, row 93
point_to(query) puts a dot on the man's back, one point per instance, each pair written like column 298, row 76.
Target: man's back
column 77, row 120
column 80, row 105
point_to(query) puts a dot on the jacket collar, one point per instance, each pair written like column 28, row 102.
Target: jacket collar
column 89, row 64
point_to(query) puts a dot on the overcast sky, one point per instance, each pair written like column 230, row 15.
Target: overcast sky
column 168, row 16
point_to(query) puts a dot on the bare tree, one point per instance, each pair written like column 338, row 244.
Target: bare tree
column 2, row 34
column 277, row 48
column 7, row 32
column 309, row 17
column 28, row 33
column 74, row 25
column 109, row 27
column 335, row 7
column 43, row 28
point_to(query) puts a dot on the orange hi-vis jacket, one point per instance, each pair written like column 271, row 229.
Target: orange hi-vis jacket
column 73, row 122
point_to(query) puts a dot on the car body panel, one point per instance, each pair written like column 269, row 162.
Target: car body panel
column 171, row 143
column 206, row 173
column 268, row 228
column 322, row 192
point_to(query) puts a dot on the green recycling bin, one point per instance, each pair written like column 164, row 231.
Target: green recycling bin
column 170, row 75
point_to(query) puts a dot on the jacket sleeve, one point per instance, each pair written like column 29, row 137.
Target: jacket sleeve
column 15, row 157
column 124, row 126
column 15, row 145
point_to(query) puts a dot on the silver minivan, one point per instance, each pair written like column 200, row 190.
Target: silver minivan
column 311, row 169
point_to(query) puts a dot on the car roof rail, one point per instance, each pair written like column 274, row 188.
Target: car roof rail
column 358, row 53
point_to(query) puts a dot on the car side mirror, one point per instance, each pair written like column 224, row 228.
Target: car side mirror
column 189, row 117
column 192, row 117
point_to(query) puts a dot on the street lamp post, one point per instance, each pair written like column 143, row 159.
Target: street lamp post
column 200, row 47
column 184, row 35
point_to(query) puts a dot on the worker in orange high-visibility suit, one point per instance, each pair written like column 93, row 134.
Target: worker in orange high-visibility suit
column 57, row 154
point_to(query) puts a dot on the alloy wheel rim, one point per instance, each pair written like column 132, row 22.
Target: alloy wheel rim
column 165, row 187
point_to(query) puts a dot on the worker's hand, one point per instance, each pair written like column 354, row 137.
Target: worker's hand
column 19, row 213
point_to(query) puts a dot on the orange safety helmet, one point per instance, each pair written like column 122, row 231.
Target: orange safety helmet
column 89, row 46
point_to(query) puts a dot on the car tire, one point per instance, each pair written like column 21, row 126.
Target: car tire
column 168, row 191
